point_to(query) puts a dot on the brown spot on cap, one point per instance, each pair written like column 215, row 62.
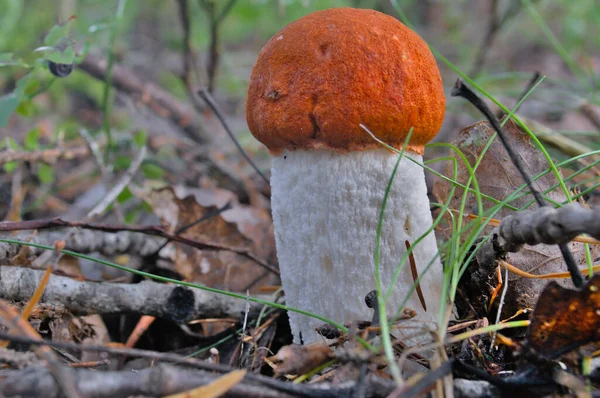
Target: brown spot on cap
column 321, row 76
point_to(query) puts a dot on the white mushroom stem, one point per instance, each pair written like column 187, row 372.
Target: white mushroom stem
column 325, row 209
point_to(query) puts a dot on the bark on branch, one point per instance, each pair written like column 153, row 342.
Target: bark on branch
column 164, row 380
column 46, row 156
column 544, row 225
column 84, row 241
column 177, row 303
column 548, row 225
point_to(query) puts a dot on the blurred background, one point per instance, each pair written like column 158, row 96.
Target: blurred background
column 500, row 44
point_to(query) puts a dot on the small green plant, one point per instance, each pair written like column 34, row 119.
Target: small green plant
column 56, row 59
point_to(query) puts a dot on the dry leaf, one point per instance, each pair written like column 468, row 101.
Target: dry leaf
column 298, row 359
column 242, row 226
column 69, row 266
column 99, row 337
column 22, row 257
column 215, row 389
column 564, row 319
column 498, row 178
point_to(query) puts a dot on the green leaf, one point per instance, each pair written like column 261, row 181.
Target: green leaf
column 31, row 87
column 32, row 140
column 8, row 59
column 26, row 108
column 58, row 33
column 66, row 56
column 152, row 171
column 45, row 173
column 140, row 138
column 8, row 104
column 121, row 162
column 22, row 83
column 10, row 166
column 12, row 144
column 132, row 215
column 124, row 196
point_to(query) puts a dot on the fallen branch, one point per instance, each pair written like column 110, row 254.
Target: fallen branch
column 372, row 387
column 84, row 241
column 545, row 225
column 173, row 302
column 18, row 359
column 164, row 380
column 154, row 230
column 49, row 156
column 548, row 225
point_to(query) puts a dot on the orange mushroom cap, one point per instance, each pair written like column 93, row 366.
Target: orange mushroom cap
column 321, row 76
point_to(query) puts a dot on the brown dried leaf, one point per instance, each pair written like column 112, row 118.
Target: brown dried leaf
column 99, row 337
column 298, row 359
column 22, row 257
column 496, row 175
column 69, row 266
column 71, row 329
column 243, row 227
column 564, row 319
column 498, row 178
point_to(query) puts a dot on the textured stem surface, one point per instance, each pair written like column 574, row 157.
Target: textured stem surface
column 325, row 210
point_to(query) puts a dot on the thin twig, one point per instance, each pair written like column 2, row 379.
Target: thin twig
column 187, row 41
column 500, row 305
column 130, row 352
column 106, row 103
column 225, row 11
column 120, row 185
column 205, row 217
column 214, row 21
column 95, row 150
column 215, row 108
column 49, row 156
column 105, row 169
column 495, row 25
column 530, row 85
column 461, row 90
column 189, row 63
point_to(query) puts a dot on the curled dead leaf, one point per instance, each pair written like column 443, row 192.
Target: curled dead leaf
column 298, row 359
column 241, row 227
column 565, row 319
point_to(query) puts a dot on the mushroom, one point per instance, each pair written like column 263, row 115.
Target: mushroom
column 313, row 85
